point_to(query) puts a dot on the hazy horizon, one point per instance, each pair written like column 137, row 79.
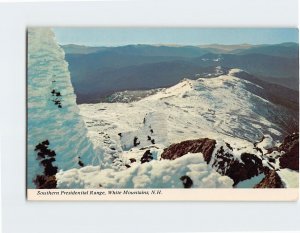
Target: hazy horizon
column 114, row 37
column 176, row 45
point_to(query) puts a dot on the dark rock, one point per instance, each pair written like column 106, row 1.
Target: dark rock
column 152, row 141
column 41, row 155
column 226, row 164
column 56, row 102
column 128, row 166
column 289, row 142
column 46, row 162
column 132, row 160
column 135, row 141
column 39, row 147
column 51, row 153
column 43, row 150
column 147, row 157
column 229, row 146
column 81, row 164
column 204, row 145
column 252, row 163
column 45, row 182
column 258, row 149
column 271, row 180
column 50, row 170
column 46, row 142
column 39, row 180
column 47, row 157
column 290, row 159
column 271, row 160
column 186, row 181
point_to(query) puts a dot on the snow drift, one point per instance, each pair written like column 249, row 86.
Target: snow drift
column 155, row 174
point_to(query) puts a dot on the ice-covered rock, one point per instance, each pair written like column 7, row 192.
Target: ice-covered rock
column 57, row 137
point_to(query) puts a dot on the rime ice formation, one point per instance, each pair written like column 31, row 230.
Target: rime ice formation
column 55, row 128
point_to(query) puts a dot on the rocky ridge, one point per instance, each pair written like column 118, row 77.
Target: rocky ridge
column 240, row 165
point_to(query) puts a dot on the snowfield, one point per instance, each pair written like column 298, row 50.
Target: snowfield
column 219, row 107
column 155, row 174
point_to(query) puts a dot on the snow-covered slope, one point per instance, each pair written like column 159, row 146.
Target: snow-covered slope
column 57, row 136
column 135, row 135
column 289, row 177
column 153, row 131
column 225, row 107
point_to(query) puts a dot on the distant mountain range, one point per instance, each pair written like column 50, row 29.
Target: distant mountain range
column 101, row 71
column 284, row 49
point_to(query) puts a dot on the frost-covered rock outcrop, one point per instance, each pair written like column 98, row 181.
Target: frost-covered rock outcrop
column 261, row 164
column 57, row 137
column 238, row 163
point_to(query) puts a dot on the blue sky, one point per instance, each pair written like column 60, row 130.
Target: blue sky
column 182, row 36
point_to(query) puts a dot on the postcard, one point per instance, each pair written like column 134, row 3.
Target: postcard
column 162, row 114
